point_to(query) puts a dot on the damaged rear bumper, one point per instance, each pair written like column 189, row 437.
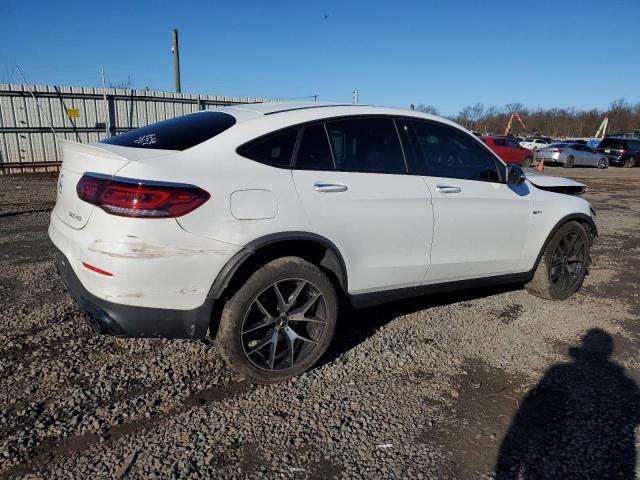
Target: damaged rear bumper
column 134, row 321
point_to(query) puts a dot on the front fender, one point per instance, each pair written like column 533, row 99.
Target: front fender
column 549, row 211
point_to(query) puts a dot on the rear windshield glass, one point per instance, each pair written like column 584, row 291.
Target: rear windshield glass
column 615, row 143
column 177, row 133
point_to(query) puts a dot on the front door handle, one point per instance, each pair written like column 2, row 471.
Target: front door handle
column 448, row 189
column 330, row 187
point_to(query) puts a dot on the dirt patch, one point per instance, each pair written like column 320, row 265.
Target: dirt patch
column 485, row 401
column 510, row 313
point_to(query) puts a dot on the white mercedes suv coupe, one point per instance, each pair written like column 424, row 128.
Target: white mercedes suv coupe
column 253, row 223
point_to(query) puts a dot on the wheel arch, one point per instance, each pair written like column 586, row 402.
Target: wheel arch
column 310, row 246
column 581, row 218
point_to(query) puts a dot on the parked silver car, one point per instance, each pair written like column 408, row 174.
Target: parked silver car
column 571, row 154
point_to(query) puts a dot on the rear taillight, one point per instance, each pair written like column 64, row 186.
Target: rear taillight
column 129, row 197
column 622, row 151
column 556, row 150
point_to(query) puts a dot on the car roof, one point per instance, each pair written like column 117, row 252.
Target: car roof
column 269, row 108
column 283, row 114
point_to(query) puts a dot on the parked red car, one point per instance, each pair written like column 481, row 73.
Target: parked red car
column 509, row 150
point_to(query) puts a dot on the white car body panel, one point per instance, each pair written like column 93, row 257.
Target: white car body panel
column 155, row 264
column 479, row 231
column 547, row 210
column 551, row 181
column 392, row 231
column 534, row 144
column 382, row 225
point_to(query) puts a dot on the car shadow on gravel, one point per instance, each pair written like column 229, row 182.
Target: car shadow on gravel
column 356, row 326
column 579, row 421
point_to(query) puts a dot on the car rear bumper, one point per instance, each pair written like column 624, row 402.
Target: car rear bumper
column 548, row 157
column 616, row 159
column 133, row 321
column 153, row 263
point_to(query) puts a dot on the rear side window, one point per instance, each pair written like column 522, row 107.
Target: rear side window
column 177, row 133
column 615, row 143
column 314, row 152
column 448, row 152
column 275, row 149
column 499, row 142
column 369, row 145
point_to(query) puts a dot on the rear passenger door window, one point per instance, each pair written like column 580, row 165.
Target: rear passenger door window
column 274, row 149
column 445, row 151
column 369, row 145
column 314, row 152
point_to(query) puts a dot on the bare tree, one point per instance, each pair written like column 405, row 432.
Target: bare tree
column 513, row 107
column 477, row 113
column 428, row 109
column 570, row 122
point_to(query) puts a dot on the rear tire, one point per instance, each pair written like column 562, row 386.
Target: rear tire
column 630, row 163
column 527, row 161
column 569, row 162
column 603, row 163
column 280, row 322
column 563, row 264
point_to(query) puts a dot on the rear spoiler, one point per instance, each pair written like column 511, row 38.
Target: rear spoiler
column 88, row 149
column 103, row 157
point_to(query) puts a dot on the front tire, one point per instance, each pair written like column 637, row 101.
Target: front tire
column 527, row 161
column 563, row 265
column 280, row 322
column 630, row 163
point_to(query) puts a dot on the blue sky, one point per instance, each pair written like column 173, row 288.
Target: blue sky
column 443, row 52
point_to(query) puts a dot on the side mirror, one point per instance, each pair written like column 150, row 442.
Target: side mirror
column 515, row 175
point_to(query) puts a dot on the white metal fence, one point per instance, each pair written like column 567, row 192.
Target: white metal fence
column 83, row 114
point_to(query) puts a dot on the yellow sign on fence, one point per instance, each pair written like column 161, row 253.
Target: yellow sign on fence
column 73, row 112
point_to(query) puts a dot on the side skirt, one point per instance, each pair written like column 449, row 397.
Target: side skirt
column 370, row 299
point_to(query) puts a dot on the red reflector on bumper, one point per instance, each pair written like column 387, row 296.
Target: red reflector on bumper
column 96, row 269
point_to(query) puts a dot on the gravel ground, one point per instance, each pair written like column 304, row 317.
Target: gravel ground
column 479, row 384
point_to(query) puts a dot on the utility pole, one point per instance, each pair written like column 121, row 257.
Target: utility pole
column 176, row 60
column 355, row 96
column 315, row 97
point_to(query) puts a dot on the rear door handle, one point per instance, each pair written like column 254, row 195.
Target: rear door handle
column 448, row 189
column 330, row 187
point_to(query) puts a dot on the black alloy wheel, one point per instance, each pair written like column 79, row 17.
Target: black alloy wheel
column 568, row 263
column 563, row 263
column 283, row 324
column 279, row 321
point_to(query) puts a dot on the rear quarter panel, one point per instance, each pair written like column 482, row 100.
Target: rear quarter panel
column 216, row 167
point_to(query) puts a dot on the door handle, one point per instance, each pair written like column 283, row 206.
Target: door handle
column 330, row 187
column 448, row 189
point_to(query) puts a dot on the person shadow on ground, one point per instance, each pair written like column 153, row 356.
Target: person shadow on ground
column 578, row 422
